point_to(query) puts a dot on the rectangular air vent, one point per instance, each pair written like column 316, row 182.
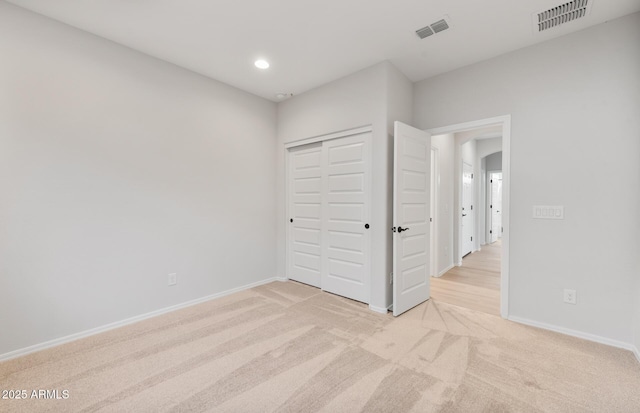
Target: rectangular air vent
column 561, row 14
column 436, row 27
column 424, row 32
column 439, row 26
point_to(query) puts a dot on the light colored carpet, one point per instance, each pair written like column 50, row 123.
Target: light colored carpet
column 287, row 347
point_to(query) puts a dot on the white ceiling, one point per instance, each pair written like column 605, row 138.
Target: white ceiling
column 311, row 42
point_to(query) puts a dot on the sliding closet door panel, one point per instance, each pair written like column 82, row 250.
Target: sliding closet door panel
column 346, row 207
column 305, row 214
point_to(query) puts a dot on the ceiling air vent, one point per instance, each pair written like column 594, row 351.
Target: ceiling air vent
column 424, row 32
column 437, row 27
column 561, row 14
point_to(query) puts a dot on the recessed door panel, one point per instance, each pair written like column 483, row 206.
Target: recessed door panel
column 311, row 186
column 346, row 241
column 414, row 213
column 345, row 153
column 353, row 183
column 347, row 212
column 310, row 236
column 344, row 272
column 412, row 245
column 307, row 211
column 414, row 181
column 306, row 159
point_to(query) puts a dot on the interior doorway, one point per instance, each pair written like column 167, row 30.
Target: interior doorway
column 481, row 278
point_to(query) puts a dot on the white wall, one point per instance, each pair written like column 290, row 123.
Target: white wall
column 563, row 96
column 446, row 149
column 489, row 146
column 115, row 170
column 494, row 162
column 468, row 151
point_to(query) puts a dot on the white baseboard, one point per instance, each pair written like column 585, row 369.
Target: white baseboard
column 122, row 323
column 578, row 334
column 381, row 310
column 443, row 272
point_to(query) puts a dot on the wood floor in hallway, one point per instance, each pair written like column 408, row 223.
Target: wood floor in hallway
column 475, row 284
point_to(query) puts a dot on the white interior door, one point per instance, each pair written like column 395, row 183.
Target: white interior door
column 347, row 189
column 467, row 209
column 305, row 214
column 432, row 216
column 411, row 208
column 496, row 205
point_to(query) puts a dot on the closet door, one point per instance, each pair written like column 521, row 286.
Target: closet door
column 305, row 214
column 346, row 213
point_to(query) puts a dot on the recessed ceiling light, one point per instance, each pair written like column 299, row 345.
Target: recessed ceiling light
column 261, row 64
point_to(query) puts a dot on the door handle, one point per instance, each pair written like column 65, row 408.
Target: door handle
column 400, row 229
column 464, row 215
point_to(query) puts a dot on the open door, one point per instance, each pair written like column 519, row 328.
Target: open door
column 411, row 209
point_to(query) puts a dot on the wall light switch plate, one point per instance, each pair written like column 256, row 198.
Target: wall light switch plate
column 173, row 278
column 548, row 212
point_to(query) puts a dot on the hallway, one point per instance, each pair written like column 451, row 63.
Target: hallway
column 475, row 284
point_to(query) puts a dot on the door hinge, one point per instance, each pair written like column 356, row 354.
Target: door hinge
column 490, row 206
column 490, row 232
column 471, row 238
column 430, row 219
column 491, row 181
column 472, row 207
column 471, row 176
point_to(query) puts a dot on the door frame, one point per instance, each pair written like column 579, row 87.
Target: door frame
column 287, row 193
column 505, row 122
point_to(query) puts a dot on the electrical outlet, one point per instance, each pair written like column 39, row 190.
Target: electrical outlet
column 569, row 296
column 173, row 278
